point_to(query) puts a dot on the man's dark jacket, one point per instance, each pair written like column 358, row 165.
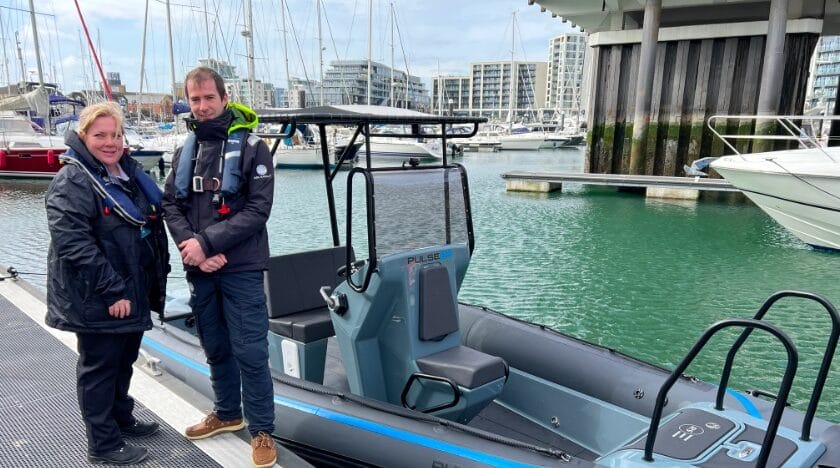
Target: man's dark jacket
column 241, row 234
column 96, row 259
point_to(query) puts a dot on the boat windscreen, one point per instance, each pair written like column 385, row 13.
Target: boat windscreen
column 419, row 208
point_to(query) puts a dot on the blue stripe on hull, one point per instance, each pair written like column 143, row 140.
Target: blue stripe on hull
column 353, row 421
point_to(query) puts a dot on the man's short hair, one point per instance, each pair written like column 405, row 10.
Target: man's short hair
column 201, row 74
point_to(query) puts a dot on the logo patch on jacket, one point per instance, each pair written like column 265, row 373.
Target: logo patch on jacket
column 262, row 172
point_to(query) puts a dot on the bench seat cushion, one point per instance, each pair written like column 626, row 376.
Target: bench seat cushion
column 306, row 327
column 465, row 366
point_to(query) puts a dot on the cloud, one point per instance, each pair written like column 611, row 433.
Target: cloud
column 450, row 32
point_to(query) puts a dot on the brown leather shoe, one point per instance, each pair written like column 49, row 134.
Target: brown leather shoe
column 263, row 451
column 212, row 425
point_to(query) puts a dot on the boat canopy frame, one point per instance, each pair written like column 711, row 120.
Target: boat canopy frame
column 364, row 118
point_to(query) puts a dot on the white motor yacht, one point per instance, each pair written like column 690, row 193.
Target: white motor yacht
column 798, row 188
column 397, row 148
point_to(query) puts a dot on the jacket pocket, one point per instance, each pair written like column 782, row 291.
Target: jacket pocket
column 95, row 307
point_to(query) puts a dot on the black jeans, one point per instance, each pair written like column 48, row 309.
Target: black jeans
column 103, row 375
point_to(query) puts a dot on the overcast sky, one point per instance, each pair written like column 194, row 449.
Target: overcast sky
column 431, row 35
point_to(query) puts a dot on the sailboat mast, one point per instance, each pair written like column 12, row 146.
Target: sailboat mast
column 84, row 66
column 286, row 55
column 206, row 30
column 391, row 96
column 142, row 64
column 249, row 49
column 5, row 58
column 370, row 48
column 20, row 58
column 92, row 52
column 320, row 52
column 512, row 72
column 35, row 41
column 171, row 56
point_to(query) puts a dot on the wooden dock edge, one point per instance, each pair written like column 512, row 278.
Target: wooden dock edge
column 657, row 187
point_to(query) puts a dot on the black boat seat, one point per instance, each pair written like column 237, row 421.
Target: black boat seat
column 307, row 326
column 438, row 318
column 296, row 309
column 464, row 366
column 438, row 311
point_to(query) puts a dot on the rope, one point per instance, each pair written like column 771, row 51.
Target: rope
column 14, row 274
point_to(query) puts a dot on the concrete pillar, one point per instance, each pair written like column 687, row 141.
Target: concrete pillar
column 672, row 193
column 538, row 186
column 644, row 85
column 772, row 72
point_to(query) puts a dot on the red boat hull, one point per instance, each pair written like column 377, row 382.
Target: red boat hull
column 30, row 162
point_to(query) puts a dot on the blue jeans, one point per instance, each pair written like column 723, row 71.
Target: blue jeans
column 232, row 322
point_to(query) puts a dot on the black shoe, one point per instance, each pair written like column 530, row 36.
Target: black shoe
column 126, row 455
column 140, row 429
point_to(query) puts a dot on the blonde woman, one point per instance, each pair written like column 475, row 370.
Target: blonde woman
column 107, row 268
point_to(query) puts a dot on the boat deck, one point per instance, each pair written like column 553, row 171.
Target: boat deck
column 41, row 424
column 494, row 419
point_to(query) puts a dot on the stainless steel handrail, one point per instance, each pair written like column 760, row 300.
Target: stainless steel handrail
column 787, row 122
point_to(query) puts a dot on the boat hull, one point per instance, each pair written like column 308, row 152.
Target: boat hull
column 30, row 162
column 402, row 150
column 521, row 144
column 550, row 374
column 346, row 430
column 300, row 158
column 799, row 189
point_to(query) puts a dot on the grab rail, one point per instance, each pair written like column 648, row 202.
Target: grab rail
column 371, row 231
column 778, row 407
column 822, row 375
column 787, row 122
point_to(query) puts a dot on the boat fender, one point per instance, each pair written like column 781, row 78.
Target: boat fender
column 2, row 159
column 51, row 160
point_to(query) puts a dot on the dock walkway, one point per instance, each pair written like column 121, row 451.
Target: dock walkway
column 656, row 186
column 41, row 424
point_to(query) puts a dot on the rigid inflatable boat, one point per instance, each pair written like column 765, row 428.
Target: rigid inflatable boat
column 376, row 363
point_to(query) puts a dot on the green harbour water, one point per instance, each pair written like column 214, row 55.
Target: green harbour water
column 644, row 277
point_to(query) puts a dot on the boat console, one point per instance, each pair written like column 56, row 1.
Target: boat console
column 399, row 332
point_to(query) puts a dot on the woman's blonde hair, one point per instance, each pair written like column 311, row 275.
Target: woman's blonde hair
column 94, row 111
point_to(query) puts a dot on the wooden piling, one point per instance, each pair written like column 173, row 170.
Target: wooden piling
column 645, row 83
column 693, row 79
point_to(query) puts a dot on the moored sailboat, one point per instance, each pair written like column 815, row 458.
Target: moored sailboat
column 24, row 152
